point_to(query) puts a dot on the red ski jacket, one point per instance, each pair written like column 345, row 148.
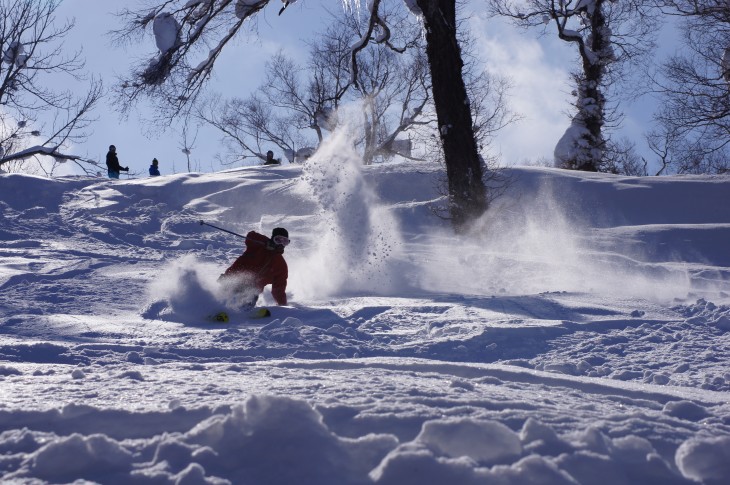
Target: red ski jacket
column 265, row 263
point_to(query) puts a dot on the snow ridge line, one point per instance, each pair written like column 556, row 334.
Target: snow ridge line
column 597, row 386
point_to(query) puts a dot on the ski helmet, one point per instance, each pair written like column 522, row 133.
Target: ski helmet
column 279, row 231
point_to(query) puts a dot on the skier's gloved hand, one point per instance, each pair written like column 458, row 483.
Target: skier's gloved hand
column 126, row 169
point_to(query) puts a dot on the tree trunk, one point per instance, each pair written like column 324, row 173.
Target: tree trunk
column 467, row 193
column 592, row 103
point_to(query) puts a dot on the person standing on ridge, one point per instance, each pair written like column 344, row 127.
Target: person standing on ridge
column 261, row 264
column 154, row 169
column 270, row 160
column 112, row 163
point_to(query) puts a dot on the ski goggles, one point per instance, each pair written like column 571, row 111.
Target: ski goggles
column 281, row 241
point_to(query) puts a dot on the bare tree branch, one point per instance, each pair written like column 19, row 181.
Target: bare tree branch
column 693, row 134
column 32, row 113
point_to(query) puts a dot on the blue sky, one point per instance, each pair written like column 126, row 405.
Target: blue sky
column 538, row 67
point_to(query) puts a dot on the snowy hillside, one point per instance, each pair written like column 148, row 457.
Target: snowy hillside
column 580, row 334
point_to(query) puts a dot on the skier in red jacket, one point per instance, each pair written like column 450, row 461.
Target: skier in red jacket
column 261, row 264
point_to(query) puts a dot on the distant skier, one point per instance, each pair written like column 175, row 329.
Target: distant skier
column 112, row 163
column 270, row 160
column 261, row 264
column 154, row 169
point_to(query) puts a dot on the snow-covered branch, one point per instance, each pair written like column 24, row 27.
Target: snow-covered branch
column 39, row 150
column 181, row 31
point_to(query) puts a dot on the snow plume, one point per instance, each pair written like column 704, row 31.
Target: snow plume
column 187, row 291
column 508, row 251
column 544, row 245
column 360, row 237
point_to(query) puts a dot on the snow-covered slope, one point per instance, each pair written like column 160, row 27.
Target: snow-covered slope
column 579, row 334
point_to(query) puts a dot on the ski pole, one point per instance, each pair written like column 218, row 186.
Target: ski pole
column 203, row 223
column 248, row 239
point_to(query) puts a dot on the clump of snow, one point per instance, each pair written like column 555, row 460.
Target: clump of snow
column 571, row 143
column 487, row 443
column 79, row 456
column 705, row 459
column 538, row 436
column 686, row 410
column 167, row 32
column 246, row 438
column 9, row 371
column 15, row 54
column 244, row 7
column 132, row 374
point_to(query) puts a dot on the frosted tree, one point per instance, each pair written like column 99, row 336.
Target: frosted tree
column 693, row 123
column 607, row 35
column 38, row 122
column 191, row 35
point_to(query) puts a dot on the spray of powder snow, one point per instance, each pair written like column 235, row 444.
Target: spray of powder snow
column 529, row 247
column 187, row 291
column 358, row 238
